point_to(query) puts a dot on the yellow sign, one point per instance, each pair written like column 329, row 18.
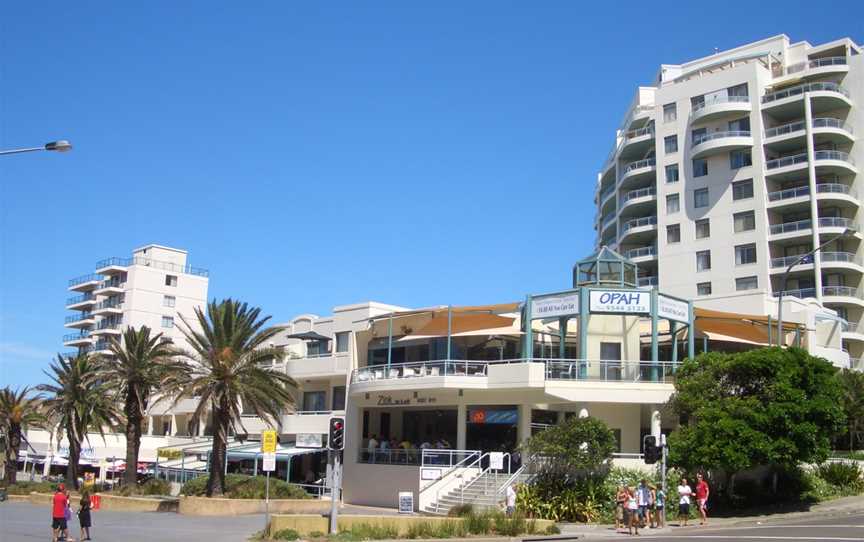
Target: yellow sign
column 268, row 442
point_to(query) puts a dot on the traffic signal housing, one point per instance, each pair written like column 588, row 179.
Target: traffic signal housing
column 336, row 435
column 651, row 450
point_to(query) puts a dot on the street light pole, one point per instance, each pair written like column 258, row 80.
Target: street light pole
column 780, row 341
column 57, row 146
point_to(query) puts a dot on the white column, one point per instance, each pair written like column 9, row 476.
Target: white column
column 461, row 426
column 814, row 207
column 655, row 423
column 173, row 424
column 150, row 425
column 523, row 428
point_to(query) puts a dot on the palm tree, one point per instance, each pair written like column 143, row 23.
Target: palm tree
column 18, row 410
column 137, row 368
column 229, row 350
column 79, row 402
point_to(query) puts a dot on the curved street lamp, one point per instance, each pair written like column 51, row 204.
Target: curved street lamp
column 57, row 146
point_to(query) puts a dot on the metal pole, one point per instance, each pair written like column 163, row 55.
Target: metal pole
column 17, row 151
column 663, row 465
column 334, row 491
column 267, row 504
column 390, row 340
column 673, row 330
column 691, row 333
column 449, row 328
column 528, row 337
column 562, row 336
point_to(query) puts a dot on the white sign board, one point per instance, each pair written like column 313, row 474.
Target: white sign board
column 406, row 502
column 309, row 440
column 673, row 309
column 430, row 474
column 269, row 462
column 555, row 306
column 621, row 301
column 496, row 460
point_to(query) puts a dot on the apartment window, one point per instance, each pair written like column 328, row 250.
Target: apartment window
column 168, row 322
column 673, row 204
column 673, row 233
column 745, row 254
column 672, row 173
column 670, row 112
column 700, row 198
column 169, row 301
column 314, row 401
column 745, row 221
column 671, row 143
column 697, row 134
column 703, row 260
column 746, row 283
column 342, row 342
column 703, row 229
column 697, row 101
column 740, row 125
column 737, row 90
column 742, row 189
column 739, row 159
column 700, row 167
column 170, row 280
column 703, row 288
column 338, row 398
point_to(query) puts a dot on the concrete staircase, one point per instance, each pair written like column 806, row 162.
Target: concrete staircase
column 482, row 492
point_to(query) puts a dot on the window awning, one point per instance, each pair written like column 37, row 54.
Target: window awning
column 736, row 327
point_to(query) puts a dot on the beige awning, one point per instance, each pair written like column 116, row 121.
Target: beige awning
column 736, row 327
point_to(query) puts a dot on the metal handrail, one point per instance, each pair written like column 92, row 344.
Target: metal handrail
column 833, row 188
column 610, row 370
column 418, row 369
column 78, row 317
column 846, row 257
column 642, row 251
column 156, row 264
column 719, row 100
column 833, row 155
column 830, row 122
column 719, row 135
column 108, row 304
column 632, row 134
column 844, row 291
column 801, row 89
column 817, row 63
column 605, row 193
column 111, row 283
column 837, row 222
column 473, row 456
column 647, row 281
column 482, row 476
column 80, row 299
column 786, row 261
column 785, row 129
column 789, row 193
column 787, row 161
column 638, row 222
column 76, row 336
column 789, row 227
column 642, row 192
column 638, row 164
column 800, row 293
column 90, row 277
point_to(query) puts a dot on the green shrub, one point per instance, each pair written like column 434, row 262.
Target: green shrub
column 149, row 487
column 239, row 486
column 513, row 526
column 365, row 531
column 316, row 534
column 26, row 487
column 553, row 529
column 845, row 474
column 479, row 523
column 461, row 510
column 285, row 534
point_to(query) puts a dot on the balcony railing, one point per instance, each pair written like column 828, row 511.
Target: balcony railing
column 833, row 155
column 155, row 264
column 608, row 219
column 641, row 193
column 639, row 164
column 720, row 100
column 641, row 252
column 78, row 317
column 605, row 193
column 80, row 299
column 790, row 227
column 785, row 129
column 787, row 161
column 817, row 63
column 837, row 222
column 843, row 291
column 802, row 293
column 789, row 193
column 110, row 324
column 801, row 89
column 843, row 257
column 786, row 261
column 828, row 122
column 633, row 134
column 108, row 304
column 647, row 281
column 111, row 283
column 719, row 135
column 833, row 188
column 638, row 223
column 91, row 277
column 76, row 336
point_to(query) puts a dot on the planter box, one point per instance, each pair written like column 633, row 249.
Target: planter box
column 306, row 524
column 203, row 506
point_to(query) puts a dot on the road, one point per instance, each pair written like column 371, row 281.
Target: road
column 24, row 522
column 846, row 528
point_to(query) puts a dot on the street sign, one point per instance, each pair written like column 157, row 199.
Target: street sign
column 496, row 460
column 268, row 442
column 406, row 502
column 269, row 462
column 309, row 440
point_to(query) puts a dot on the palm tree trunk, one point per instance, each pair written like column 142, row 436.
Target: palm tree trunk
column 133, row 441
column 12, row 445
column 216, row 481
column 74, row 456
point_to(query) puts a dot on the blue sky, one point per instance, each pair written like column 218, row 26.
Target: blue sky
column 321, row 153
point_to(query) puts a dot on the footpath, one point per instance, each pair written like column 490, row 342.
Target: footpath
column 834, row 508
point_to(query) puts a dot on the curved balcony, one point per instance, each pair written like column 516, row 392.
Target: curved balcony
column 826, row 95
column 639, row 228
column 820, row 66
column 720, row 142
column 785, row 131
column 843, row 295
column 642, row 254
column 647, row 281
column 833, row 130
column 840, row 260
column 791, row 229
column 637, row 142
column 606, row 222
column 837, row 162
column 634, row 198
column 801, row 294
column 790, row 196
column 782, row 167
column 719, row 107
column 638, row 169
column 837, row 222
column 837, row 192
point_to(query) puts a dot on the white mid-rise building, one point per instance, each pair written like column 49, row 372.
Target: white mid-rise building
column 728, row 168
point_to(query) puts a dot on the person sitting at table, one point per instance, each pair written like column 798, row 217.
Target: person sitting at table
column 384, row 452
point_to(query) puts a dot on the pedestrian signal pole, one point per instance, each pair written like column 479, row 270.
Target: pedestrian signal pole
column 335, row 445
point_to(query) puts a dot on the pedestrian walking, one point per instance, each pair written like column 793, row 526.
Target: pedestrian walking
column 84, row 519
column 684, row 493
column 632, row 512
column 702, row 492
column 642, row 499
column 620, row 503
column 660, row 508
column 511, row 500
column 59, row 504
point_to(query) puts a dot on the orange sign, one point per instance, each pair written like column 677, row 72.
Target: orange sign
column 95, row 502
column 478, row 416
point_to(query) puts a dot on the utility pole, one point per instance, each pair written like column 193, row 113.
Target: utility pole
column 663, row 464
column 335, row 489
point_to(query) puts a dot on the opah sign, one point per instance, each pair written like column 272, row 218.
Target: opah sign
column 673, row 309
column 555, row 306
column 626, row 301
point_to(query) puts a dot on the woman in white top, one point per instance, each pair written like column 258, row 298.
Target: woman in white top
column 632, row 511
column 684, row 493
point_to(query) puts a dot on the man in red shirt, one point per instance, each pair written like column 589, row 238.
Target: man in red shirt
column 702, row 493
column 58, row 513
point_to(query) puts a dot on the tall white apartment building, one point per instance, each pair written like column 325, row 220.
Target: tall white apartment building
column 727, row 168
column 153, row 288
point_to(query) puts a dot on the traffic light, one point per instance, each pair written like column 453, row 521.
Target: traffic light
column 336, row 437
column 651, row 451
